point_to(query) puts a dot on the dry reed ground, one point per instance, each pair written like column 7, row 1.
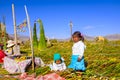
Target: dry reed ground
column 103, row 60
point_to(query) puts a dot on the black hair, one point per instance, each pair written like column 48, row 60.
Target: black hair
column 60, row 60
column 78, row 34
column 1, row 46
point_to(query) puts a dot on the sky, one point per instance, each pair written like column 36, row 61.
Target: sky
column 90, row 17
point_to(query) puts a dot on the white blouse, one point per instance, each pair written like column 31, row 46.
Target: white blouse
column 78, row 48
column 59, row 67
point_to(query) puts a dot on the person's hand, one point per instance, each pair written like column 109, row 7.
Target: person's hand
column 79, row 59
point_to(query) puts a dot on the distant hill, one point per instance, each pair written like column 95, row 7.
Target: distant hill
column 113, row 37
column 91, row 38
column 108, row 37
column 85, row 36
column 19, row 37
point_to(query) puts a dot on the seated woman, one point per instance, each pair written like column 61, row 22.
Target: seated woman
column 12, row 49
column 10, row 45
column 58, row 64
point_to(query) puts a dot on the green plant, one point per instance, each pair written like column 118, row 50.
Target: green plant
column 0, row 32
column 5, row 38
column 35, row 41
column 3, row 34
column 42, row 41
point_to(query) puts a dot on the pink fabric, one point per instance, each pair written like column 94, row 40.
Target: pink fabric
column 52, row 76
column 25, row 76
column 15, row 67
column 2, row 55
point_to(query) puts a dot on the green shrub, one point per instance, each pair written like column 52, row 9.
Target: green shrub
column 35, row 40
column 42, row 41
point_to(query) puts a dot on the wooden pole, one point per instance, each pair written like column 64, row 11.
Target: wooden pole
column 30, row 33
column 15, row 32
column 71, row 25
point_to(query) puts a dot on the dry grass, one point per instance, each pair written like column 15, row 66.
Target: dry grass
column 103, row 60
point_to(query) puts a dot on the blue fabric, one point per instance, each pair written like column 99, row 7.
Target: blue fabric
column 57, row 56
column 77, row 65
